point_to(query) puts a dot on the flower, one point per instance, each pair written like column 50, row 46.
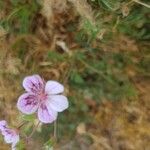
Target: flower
column 42, row 97
column 10, row 135
column 3, row 125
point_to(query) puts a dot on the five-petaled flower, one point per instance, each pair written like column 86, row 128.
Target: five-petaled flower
column 42, row 97
column 10, row 135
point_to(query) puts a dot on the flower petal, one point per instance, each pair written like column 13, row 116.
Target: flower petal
column 54, row 87
column 46, row 115
column 8, row 135
column 27, row 103
column 8, row 138
column 3, row 124
column 58, row 103
column 34, row 84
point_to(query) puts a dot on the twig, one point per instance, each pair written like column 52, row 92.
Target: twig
column 21, row 125
column 141, row 3
column 116, row 24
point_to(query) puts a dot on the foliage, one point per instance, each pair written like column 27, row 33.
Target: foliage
column 105, row 52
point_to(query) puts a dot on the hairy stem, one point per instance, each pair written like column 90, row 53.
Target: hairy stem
column 34, row 129
column 55, row 130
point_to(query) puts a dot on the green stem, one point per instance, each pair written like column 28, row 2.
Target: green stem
column 34, row 129
column 55, row 130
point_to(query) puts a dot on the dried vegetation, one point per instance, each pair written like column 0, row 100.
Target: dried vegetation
column 99, row 49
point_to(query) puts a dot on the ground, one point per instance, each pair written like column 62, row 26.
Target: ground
column 99, row 50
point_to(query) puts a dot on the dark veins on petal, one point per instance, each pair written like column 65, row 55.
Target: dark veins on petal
column 36, row 87
column 31, row 100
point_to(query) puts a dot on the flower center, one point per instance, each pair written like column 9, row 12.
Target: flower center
column 42, row 96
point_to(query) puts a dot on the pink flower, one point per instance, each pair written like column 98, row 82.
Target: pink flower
column 42, row 97
column 10, row 135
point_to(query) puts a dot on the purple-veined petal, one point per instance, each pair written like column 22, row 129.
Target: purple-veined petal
column 58, row 102
column 27, row 103
column 53, row 87
column 8, row 135
column 34, row 84
column 3, row 124
column 11, row 136
column 46, row 115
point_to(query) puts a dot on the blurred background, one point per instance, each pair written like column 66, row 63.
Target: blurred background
column 99, row 50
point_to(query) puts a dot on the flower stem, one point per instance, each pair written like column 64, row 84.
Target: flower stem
column 55, row 130
column 34, row 129
column 22, row 124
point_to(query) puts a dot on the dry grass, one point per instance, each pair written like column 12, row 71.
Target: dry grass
column 116, row 125
column 120, row 125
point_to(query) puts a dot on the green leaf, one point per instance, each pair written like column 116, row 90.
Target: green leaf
column 20, row 145
column 49, row 144
column 77, row 78
column 30, row 118
column 111, row 5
